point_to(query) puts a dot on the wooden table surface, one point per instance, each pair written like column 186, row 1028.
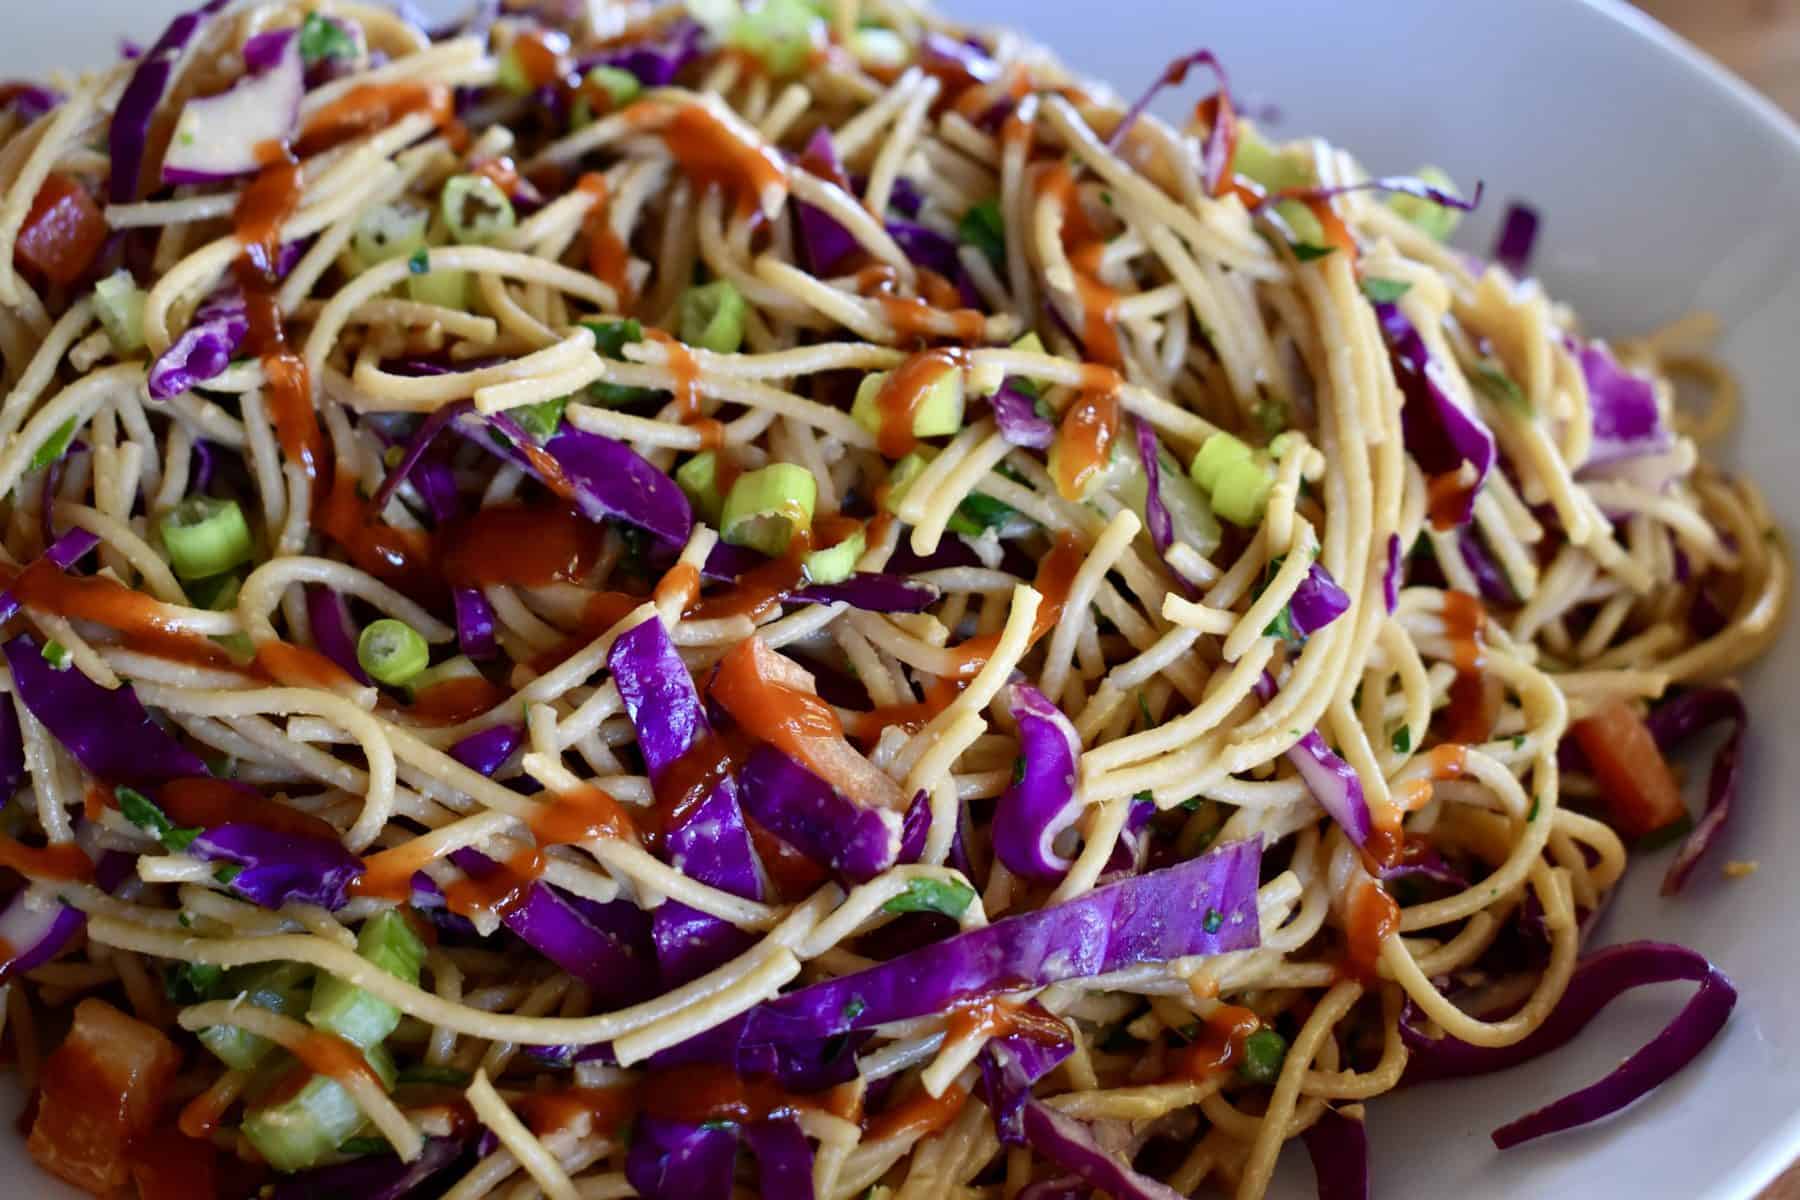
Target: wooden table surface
column 1759, row 40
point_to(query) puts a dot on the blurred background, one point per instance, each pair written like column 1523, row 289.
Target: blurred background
column 1759, row 39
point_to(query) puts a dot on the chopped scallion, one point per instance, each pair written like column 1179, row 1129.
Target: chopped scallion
column 475, row 209
column 982, row 228
column 119, row 303
column 767, row 507
column 834, row 564
column 392, row 651
column 206, row 536
column 712, row 317
column 55, row 446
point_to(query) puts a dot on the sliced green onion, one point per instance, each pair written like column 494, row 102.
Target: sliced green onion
column 698, row 479
column 1216, row 453
column 321, row 39
column 141, row 811
column 947, row 896
column 1385, row 291
column 834, row 564
column 782, row 34
column 610, row 340
column 206, row 536
column 390, row 231
column 712, row 317
column 303, row 1129
column 1307, row 230
column 1273, row 168
column 55, row 446
column 446, row 289
column 357, row 1016
column 1264, row 1052
column 978, row 513
column 510, row 73
column 392, row 651
column 540, row 420
column 621, row 88
column 982, row 228
column 1493, row 380
column 901, row 476
column 475, row 209
column 939, row 411
column 1433, row 218
column 278, row 987
column 874, row 46
column 119, row 303
column 1242, row 492
column 767, row 507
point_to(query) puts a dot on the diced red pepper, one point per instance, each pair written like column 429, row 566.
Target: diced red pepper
column 1636, row 783
column 102, row 1090
column 62, row 233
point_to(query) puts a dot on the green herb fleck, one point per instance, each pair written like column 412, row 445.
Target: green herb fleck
column 854, row 1008
column 1532, row 815
column 610, row 340
column 55, row 446
column 542, row 419
column 58, row 655
column 978, row 513
column 228, row 874
column 1385, row 291
column 191, row 983
column 1403, row 740
column 982, row 228
column 1214, row 920
column 321, row 38
column 141, row 811
column 1492, row 378
column 1518, row 741
column 357, row 1147
column 1264, row 1052
column 1144, row 712
column 420, row 262
column 947, row 896
column 1307, row 253
column 1018, row 771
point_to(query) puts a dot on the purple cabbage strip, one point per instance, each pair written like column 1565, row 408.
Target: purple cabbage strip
column 599, row 944
column 926, row 247
column 1020, row 1119
column 803, row 810
column 264, row 50
column 905, row 198
column 1156, row 513
column 31, row 101
column 1440, row 433
column 602, row 477
column 1329, row 778
column 1339, row 1149
column 329, row 617
column 12, row 751
column 475, row 621
column 784, row 1159
column 1041, row 805
column 1672, row 722
column 1405, row 185
column 1622, row 407
column 108, row 732
column 1598, row 980
column 277, row 867
column 65, row 552
column 824, row 243
column 1394, row 576
column 1317, row 602
column 488, row 749
column 416, row 446
column 1017, row 416
column 1490, row 580
column 1205, row 905
column 206, row 465
column 1215, row 154
column 372, row 1177
column 678, row 1160
column 1430, row 865
column 656, row 62
column 1518, row 234
column 960, row 54
column 871, row 591
column 34, row 927
column 205, row 347
column 915, row 827
column 712, row 844
column 129, row 133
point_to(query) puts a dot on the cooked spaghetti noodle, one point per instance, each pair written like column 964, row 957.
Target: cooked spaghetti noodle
column 560, row 569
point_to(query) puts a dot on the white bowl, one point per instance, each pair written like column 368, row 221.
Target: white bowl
column 1666, row 185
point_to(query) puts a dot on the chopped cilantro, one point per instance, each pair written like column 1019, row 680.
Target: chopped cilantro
column 1018, row 771
column 1214, row 920
column 853, row 1008
column 1306, row 253
column 540, row 420
column 1403, row 740
column 1385, row 291
column 1532, row 815
column 610, row 340
column 947, row 896
column 978, row 513
column 191, row 983
column 141, row 811
column 322, row 38
column 1144, row 712
column 982, row 228
column 358, row 1147
column 420, row 262
column 228, row 873
column 55, row 446
column 1518, row 741
column 1492, row 378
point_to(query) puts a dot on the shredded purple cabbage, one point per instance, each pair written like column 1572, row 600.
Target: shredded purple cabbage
column 329, row 616
column 277, row 867
column 129, row 133
column 1216, row 152
column 1673, row 722
column 1440, row 433
column 803, row 810
column 1339, row 1149
column 1041, row 804
column 205, row 348
column 1518, row 235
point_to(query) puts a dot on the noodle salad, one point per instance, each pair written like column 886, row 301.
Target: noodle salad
column 649, row 600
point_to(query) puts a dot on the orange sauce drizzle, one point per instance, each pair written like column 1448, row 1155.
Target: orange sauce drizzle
column 587, row 814
column 921, row 1115
column 1056, row 574
column 203, row 801
column 687, row 375
column 454, row 700
column 606, row 1109
column 1084, row 247
column 518, row 546
column 297, row 666
column 904, row 390
column 1084, row 441
column 678, row 587
column 329, row 1055
column 64, row 860
column 1220, row 1046
column 138, row 617
column 1472, row 711
column 372, row 106
column 1371, row 918
column 787, row 718
column 760, row 590
column 684, row 784
column 501, row 891
column 994, row 1016
column 711, row 153
column 401, row 557
column 607, row 254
